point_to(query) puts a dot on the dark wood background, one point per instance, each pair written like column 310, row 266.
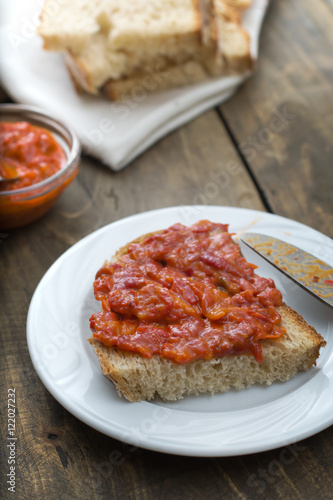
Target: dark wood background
column 285, row 167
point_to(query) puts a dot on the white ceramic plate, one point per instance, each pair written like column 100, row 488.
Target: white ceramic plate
column 234, row 423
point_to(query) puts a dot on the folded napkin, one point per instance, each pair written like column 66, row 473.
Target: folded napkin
column 115, row 133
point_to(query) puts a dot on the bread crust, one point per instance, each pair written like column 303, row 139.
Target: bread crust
column 79, row 74
column 173, row 76
column 39, row 30
column 198, row 19
column 138, row 378
column 240, row 4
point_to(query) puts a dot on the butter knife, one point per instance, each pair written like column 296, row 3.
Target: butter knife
column 308, row 271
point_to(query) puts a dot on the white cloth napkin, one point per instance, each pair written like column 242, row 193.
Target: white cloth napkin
column 115, row 133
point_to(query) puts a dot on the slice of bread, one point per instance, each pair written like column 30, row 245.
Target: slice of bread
column 130, row 26
column 112, row 39
column 222, row 31
column 112, row 42
column 240, row 4
column 151, row 81
column 224, row 51
column 140, row 378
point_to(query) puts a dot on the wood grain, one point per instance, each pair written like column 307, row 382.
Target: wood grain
column 291, row 156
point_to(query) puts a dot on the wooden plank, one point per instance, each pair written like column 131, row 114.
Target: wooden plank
column 285, row 127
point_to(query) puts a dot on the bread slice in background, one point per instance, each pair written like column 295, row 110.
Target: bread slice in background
column 113, row 39
column 151, row 81
column 232, row 41
column 222, row 31
column 110, row 46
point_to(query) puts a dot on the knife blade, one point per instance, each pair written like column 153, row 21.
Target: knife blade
column 308, row 271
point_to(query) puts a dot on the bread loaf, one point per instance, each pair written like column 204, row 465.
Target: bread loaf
column 111, row 46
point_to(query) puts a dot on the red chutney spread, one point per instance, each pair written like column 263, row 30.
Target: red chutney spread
column 28, row 151
column 185, row 294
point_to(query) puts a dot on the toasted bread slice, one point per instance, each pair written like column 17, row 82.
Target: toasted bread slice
column 139, row 378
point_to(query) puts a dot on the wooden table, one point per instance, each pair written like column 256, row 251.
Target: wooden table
column 278, row 131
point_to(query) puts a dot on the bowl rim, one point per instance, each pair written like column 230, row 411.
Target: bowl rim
column 74, row 150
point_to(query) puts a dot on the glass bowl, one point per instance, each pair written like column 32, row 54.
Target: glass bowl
column 21, row 206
